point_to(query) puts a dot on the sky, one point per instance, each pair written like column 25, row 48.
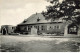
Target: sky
column 13, row 12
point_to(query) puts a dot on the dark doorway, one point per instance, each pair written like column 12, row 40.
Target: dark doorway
column 72, row 29
column 4, row 31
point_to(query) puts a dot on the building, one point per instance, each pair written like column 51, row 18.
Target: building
column 7, row 29
column 37, row 24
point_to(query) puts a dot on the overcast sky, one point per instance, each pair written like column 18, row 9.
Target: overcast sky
column 13, row 12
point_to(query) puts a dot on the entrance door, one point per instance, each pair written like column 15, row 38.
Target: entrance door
column 4, row 32
column 33, row 31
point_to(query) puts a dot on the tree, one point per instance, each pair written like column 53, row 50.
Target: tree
column 53, row 11
column 69, row 9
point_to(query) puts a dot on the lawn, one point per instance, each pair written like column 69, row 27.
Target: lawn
column 38, row 44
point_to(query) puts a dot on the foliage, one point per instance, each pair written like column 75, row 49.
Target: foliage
column 69, row 9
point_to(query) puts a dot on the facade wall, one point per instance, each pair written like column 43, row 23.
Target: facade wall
column 10, row 29
column 43, row 28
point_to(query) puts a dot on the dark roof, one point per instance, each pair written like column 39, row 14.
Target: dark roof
column 33, row 19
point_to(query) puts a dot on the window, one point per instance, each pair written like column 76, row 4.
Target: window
column 38, row 28
column 38, row 19
column 12, row 27
column 56, row 27
column 29, row 28
column 42, row 28
column 24, row 28
column 50, row 27
column 53, row 27
column 24, row 21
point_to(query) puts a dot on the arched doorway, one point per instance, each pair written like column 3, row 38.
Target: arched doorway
column 72, row 29
column 4, row 31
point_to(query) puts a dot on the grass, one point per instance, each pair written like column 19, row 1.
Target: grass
column 38, row 44
column 10, row 48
